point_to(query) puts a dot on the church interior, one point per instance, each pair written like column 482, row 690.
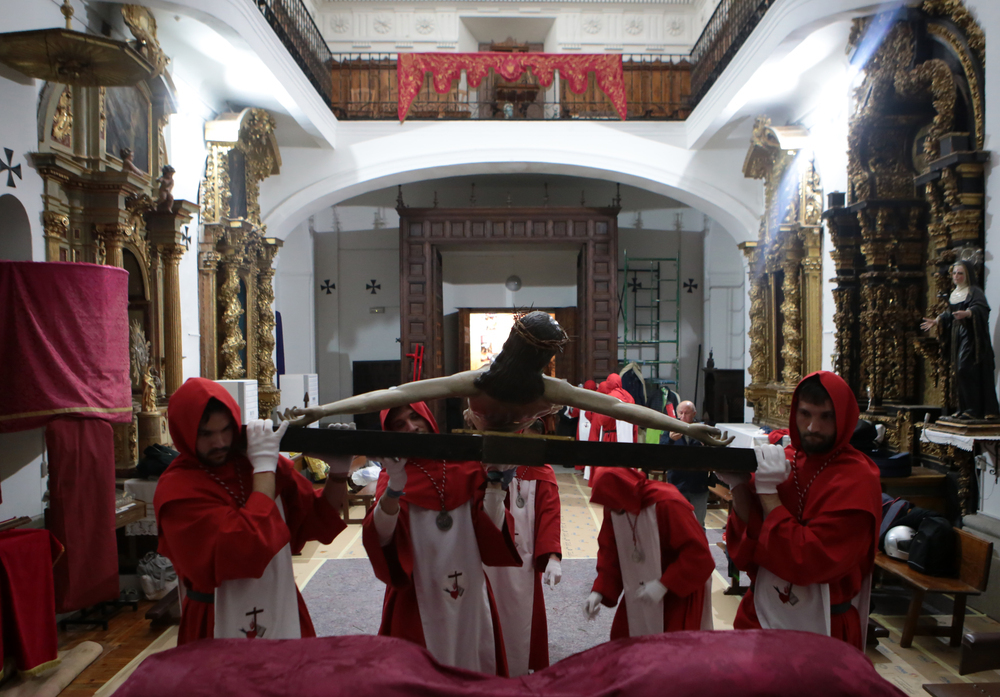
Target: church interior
column 315, row 199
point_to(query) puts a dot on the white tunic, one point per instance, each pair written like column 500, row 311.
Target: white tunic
column 451, row 590
column 260, row 608
column 514, row 587
column 642, row 618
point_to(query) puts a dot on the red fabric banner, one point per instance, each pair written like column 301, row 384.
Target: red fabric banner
column 447, row 67
column 27, row 600
column 82, row 511
column 63, row 343
column 777, row 663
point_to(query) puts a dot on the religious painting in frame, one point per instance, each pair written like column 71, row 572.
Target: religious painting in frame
column 128, row 124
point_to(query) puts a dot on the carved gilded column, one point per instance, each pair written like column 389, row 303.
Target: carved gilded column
column 56, row 235
column 756, row 330
column 172, row 334
column 232, row 341
column 208, row 266
column 268, row 394
column 791, row 326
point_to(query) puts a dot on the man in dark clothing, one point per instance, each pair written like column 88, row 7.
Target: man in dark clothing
column 692, row 485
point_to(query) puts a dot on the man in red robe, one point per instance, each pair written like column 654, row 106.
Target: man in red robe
column 808, row 540
column 533, row 502
column 435, row 525
column 230, row 512
column 653, row 553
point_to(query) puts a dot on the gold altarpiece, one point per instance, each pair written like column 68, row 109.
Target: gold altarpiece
column 784, row 273
column 100, row 153
column 235, row 272
column 914, row 205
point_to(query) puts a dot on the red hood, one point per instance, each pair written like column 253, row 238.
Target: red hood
column 603, row 388
column 188, row 404
column 616, row 390
column 419, row 407
column 845, row 404
column 590, row 385
column 624, row 489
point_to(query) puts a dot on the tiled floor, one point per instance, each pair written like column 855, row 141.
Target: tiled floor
column 929, row 660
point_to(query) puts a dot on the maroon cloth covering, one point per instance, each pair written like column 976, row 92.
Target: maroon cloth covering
column 27, row 603
column 82, row 511
column 447, row 67
column 707, row 664
column 63, row 343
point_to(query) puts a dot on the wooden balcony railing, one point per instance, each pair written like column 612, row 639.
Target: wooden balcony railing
column 364, row 87
column 665, row 87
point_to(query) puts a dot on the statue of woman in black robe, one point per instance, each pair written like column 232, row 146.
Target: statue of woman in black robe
column 964, row 327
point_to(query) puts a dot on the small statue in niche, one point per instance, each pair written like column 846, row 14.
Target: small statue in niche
column 165, row 198
column 128, row 165
column 964, row 329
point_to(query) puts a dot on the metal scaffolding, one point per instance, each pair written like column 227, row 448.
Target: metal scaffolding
column 650, row 310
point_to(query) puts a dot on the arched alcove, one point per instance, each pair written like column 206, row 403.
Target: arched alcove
column 15, row 230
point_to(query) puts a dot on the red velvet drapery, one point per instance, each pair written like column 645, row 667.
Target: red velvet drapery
column 63, row 343
column 447, row 67
column 64, row 364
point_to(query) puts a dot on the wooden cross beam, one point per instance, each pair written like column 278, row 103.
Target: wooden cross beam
column 515, row 450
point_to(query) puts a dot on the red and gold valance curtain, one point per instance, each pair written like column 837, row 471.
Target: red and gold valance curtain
column 447, row 67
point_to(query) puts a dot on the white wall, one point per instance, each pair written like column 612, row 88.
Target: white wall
column 475, row 278
column 659, row 238
column 346, row 328
column 295, row 294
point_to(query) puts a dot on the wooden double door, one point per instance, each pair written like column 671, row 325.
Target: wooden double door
column 424, row 232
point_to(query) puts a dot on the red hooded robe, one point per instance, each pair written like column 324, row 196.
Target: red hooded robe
column 207, row 535
column 685, row 559
column 835, row 542
column 545, row 541
column 394, row 564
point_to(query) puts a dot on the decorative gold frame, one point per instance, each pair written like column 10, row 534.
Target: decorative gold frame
column 785, row 274
column 235, row 249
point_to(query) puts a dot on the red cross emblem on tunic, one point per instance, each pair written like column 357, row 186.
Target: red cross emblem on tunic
column 456, row 590
column 256, row 630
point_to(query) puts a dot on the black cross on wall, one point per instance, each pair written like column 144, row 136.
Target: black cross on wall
column 186, row 238
column 328, row 287
column 690, row 285
column 635, row 284
column 11, row 170
column 373, row 287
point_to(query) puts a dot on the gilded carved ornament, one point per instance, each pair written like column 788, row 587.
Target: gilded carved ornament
column 142, row 25
column 62, row 120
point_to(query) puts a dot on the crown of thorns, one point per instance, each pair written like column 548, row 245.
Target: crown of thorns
column 544, row 344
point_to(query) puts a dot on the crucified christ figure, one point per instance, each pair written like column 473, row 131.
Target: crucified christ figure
column 513, row 392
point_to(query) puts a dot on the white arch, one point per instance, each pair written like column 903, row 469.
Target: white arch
column 314, row 180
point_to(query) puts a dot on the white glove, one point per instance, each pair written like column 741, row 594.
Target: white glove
column 592, row 606
column 651, row 592
column 262, row 444
column 772, row 468
column 733, row 479
column 340, row 465
column 396, row 467
column 493, row 500
column 553, row 572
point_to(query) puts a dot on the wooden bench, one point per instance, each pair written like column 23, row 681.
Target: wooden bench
column 973, row 555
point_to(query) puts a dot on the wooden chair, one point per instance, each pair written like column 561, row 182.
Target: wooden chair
column 973, row 555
